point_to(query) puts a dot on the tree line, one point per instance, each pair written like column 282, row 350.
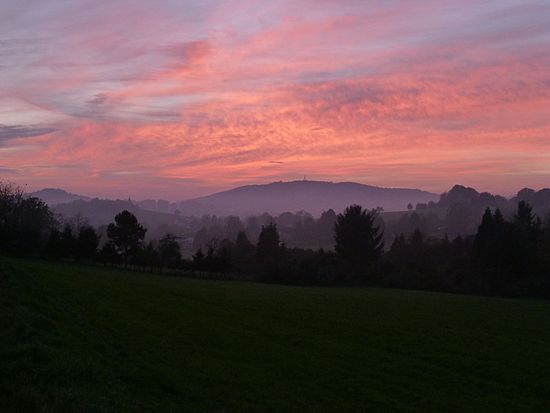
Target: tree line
column 503, row 257
column 298, row 229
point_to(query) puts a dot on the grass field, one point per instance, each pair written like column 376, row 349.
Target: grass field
column 85, row 339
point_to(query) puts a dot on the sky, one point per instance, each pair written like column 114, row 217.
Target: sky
column 175, row 99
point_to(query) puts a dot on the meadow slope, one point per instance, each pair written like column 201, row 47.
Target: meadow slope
column 91, row 339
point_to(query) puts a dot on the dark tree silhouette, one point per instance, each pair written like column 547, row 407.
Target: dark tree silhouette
column 25, row 223
column 86, row 243
column 358, row 240
column 68, row 243
column 526, row 234
column 223, row 258
column 484, row 241
column 108, row 253
column 169, row 251
column 243, row 253
column 33, row 223
column 149, row 257
column 242, row 242
column 524, row 217
column 127, row 234
column 210, row 259
column 268, row 251
column 10, row 198
column 54, row 245
column 488, row 253
column 199, row 260
column 268, row 242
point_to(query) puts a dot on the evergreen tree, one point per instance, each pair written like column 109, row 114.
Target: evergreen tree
column 358, row 239
column 526, row 234
column 243, row 253
column 482, row 250
column 268, row 251
column 524, row 218
column 268, row 242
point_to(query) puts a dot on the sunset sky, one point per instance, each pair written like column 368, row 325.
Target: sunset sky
column 178, row 98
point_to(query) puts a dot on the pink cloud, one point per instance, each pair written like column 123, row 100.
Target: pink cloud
column 414, row 94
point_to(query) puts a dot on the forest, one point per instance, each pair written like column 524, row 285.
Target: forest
column 507, row 252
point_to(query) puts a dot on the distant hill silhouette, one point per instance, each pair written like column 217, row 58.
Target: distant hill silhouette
column 312, row 196
column 539, row 200
column 460, row 193
column 102, row 211
column 278, row 197
column 54, row 196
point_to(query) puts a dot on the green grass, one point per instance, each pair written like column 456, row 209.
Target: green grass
column 85, row 339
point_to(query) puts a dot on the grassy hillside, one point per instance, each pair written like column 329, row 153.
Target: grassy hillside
column 84, row 339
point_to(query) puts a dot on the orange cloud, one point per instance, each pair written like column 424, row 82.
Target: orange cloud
column 409, row 94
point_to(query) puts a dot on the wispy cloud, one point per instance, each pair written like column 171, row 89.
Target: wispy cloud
column 207, row 95
column 9, row 132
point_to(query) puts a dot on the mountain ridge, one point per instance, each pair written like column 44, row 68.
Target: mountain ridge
column 54, row 196
column 311, row 196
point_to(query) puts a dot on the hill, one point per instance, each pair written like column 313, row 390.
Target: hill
column 98, row 212
column 459, row 194
column 54, row 196
column 107, row 340
column 311, row 196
